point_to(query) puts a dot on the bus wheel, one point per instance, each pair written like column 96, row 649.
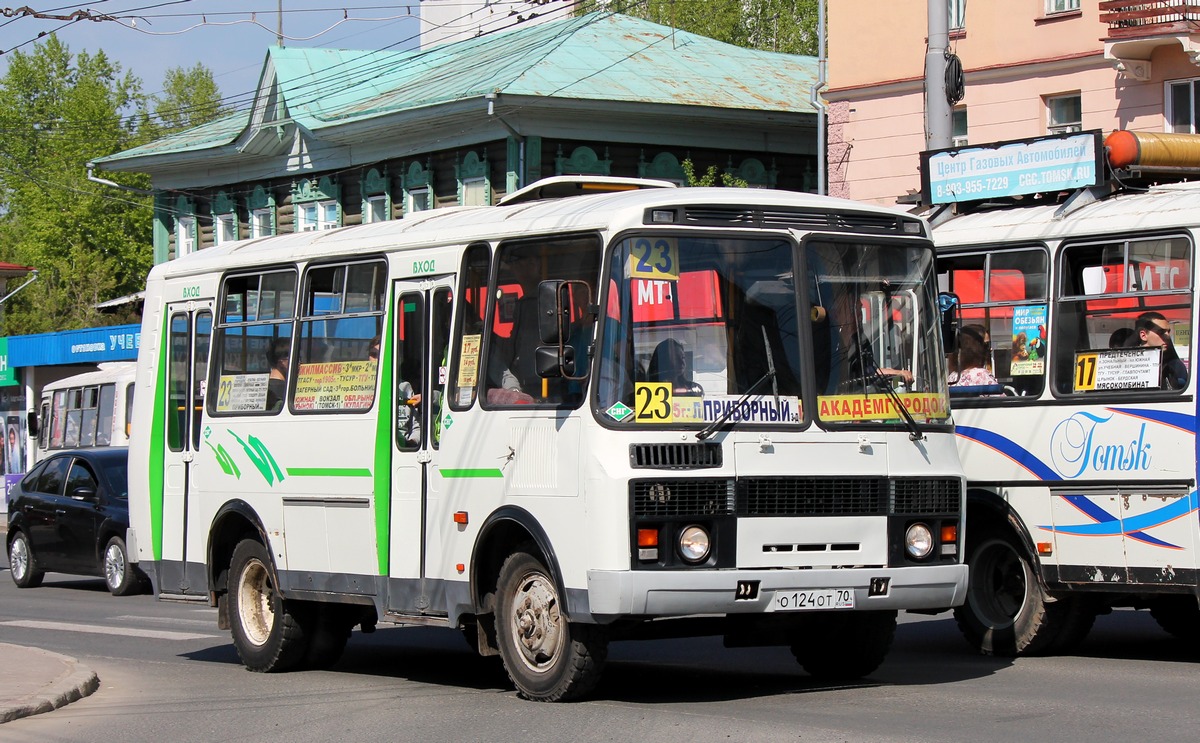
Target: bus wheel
column 21, row 563
column 1006, row 612
column 548, row 658
column 1178, row 615
column 267, row 630
column 843, row 646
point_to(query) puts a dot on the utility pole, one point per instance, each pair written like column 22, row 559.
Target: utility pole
column 279, row 25
column 938, row 123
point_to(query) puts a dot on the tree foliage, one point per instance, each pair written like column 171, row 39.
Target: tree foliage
column 89, row 242
column 190, row 97
column 788, row 26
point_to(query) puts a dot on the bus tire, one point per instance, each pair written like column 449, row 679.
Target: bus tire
column 22, row 564
column 1178, row 615
column 268, row 631
column 843, row 645
column 1007, row 613
column 547, row 658
column 120, row 577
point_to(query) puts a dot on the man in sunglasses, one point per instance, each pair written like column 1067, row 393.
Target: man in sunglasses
column 1153, row 330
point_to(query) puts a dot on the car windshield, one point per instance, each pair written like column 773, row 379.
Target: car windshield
column 116, row 475
column 702, row 330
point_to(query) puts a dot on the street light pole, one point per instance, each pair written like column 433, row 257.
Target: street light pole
column 938, row 124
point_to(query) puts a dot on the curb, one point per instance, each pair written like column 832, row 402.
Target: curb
column 75, row 682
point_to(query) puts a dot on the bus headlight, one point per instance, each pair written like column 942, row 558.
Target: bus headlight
column 694, row 544
column 918, row 541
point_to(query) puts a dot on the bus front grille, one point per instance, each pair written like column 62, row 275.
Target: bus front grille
column 795, row 496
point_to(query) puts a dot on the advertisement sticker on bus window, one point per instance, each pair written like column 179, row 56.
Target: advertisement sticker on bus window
column 654, row 258
column 922, row 406
column 1117, row 369
column 654, row 402
column 335, row 385
column 1029, row 340
column 242, row 393
column 468, row 360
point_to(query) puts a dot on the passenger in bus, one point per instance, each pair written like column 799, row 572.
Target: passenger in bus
column 972, row 358
column 408, row 402
column 1120, row 338
column 278, row 358
column 669, row 364
column 1153, row 331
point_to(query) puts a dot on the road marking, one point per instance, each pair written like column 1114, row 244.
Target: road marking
column 154, row 634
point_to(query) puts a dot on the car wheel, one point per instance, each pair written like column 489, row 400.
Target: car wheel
column 120, row 577
column 21, row 563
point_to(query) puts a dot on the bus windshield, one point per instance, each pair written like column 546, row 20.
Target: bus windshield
column 876, row 332
column 694, row 324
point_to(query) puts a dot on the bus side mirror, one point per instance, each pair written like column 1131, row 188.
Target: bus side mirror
column 31, row 422
column 949, row 310
column 564, row 313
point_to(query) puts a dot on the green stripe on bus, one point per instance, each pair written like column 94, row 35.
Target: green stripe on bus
column 482, row 472
column 383, row 439
column 158, row 445
column 328, row 472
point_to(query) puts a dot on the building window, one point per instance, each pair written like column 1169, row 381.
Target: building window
column 958, row 14
column 260, row 223
column 185, row 235
column 474, row 192
column 958, row 127
column 376, row 210
column 316, row 215
column 1061, row 6
column 419, row 200
column 225, row 228
column 1065, row 114
column 1182, row 99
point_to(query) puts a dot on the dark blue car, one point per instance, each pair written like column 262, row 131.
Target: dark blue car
column 69, row 515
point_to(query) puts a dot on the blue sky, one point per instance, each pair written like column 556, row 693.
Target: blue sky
column 182, row 33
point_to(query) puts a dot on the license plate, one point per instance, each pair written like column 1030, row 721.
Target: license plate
column 825, row 598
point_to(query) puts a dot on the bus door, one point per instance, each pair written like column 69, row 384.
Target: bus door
column 189, row 337
column 420, row 339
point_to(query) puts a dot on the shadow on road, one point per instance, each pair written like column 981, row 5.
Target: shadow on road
column 664, row 671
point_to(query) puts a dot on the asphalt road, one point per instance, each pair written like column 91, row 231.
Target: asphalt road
column 167, row 673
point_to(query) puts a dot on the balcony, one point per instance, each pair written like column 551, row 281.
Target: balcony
column 1137, row 27
column 1130, row 19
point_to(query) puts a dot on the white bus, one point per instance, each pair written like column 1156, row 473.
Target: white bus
column 86, row 410
column 552, row 423
column 1081, row 459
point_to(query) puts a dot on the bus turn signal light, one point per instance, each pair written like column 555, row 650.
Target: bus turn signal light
column 647, row 537
column 460, row 517
column 1045, row 548
column 949, row 533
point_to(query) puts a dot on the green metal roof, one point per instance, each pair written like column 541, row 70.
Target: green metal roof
column 597, row 57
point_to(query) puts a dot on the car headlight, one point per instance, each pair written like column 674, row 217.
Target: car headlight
column 918, row 541
column 694, row 544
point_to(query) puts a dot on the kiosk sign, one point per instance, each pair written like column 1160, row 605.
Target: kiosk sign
column 1023, row 166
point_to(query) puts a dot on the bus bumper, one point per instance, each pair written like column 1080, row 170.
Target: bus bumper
column 662, row 593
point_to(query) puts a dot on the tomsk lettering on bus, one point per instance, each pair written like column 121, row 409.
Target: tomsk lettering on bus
column 1078, row 444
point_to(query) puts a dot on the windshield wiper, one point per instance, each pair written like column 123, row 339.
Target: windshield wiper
column 881, row 381
column 711, row 428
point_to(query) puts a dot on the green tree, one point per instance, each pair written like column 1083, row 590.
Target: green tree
column 89, row 242
column 788, row 26
column 190, row 97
